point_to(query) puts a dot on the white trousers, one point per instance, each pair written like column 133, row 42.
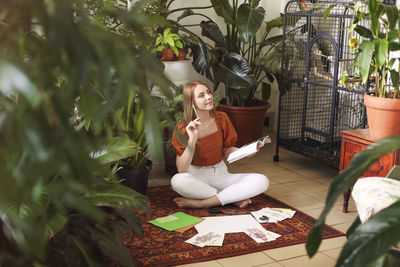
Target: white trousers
column 205, row 182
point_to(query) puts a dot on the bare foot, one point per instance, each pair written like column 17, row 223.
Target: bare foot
column 183, row 202
column 243, row 203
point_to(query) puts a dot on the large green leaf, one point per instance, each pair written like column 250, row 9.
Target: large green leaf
column 86, row 253
column 254, row 3
column 131, row 219
column 273, row 23
column 110, row 246
column 392, row 14
column 372, row 239
column 394, row 76
column 381, row 51
column 249, row 21
column 374, row 18
column 266, row 91
column 116, row 195
column 364, row 58
column 328, row 11
column 393, row 35
column 14, row 81
column 353, row 226
column 342, row 182
column 56, row 223
column 113, row 149
column 211, row 30
column 272, row 40
column 364, row 32
column 235, row 72
column 153, row 131
column 223, row 9
column 394, row 46
column 199, row 62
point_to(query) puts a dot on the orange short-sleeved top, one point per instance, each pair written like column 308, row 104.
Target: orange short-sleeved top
column 209, row 148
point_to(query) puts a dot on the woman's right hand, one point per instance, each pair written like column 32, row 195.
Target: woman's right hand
column 192, row 129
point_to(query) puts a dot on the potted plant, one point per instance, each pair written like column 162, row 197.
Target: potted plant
column 171, row 46
column 134, row 170
column 237, row 60
column 375, row 64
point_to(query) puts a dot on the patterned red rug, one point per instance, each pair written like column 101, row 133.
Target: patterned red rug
column 160, row 247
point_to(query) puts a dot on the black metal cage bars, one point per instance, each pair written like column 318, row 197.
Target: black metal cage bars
column 313, row 106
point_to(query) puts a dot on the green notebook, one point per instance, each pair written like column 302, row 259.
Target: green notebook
column 175, row 221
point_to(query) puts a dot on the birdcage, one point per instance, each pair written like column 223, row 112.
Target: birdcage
column 314, row 107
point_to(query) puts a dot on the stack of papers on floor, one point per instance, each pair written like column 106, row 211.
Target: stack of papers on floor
column 175, row 221
column 212, row 230
column 272, row 215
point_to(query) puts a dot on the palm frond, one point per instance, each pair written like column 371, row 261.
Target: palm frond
column 113, row 149
column 116, row 195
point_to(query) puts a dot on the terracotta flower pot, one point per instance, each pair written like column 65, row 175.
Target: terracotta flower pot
column 383, row 115
column 167, row 55
column 182, row 54
column 248, row 121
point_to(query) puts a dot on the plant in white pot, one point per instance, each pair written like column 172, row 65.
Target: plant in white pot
column 376, row 64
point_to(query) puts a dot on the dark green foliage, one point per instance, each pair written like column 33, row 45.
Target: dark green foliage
column 53, row 55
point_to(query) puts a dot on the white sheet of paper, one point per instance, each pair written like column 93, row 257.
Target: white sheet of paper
column 227, row 224
column 261, row 235
column 263, row 217
column 290, row 213
column 272, row 215
column 207, row 239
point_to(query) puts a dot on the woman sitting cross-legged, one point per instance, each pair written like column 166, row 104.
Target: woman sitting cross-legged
column 205, row 138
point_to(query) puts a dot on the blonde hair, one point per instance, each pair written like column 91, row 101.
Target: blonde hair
column 188, row 100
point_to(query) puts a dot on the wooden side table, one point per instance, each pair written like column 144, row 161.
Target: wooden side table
column 357, row 140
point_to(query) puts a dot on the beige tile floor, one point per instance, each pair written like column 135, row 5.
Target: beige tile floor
column 299, row 181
